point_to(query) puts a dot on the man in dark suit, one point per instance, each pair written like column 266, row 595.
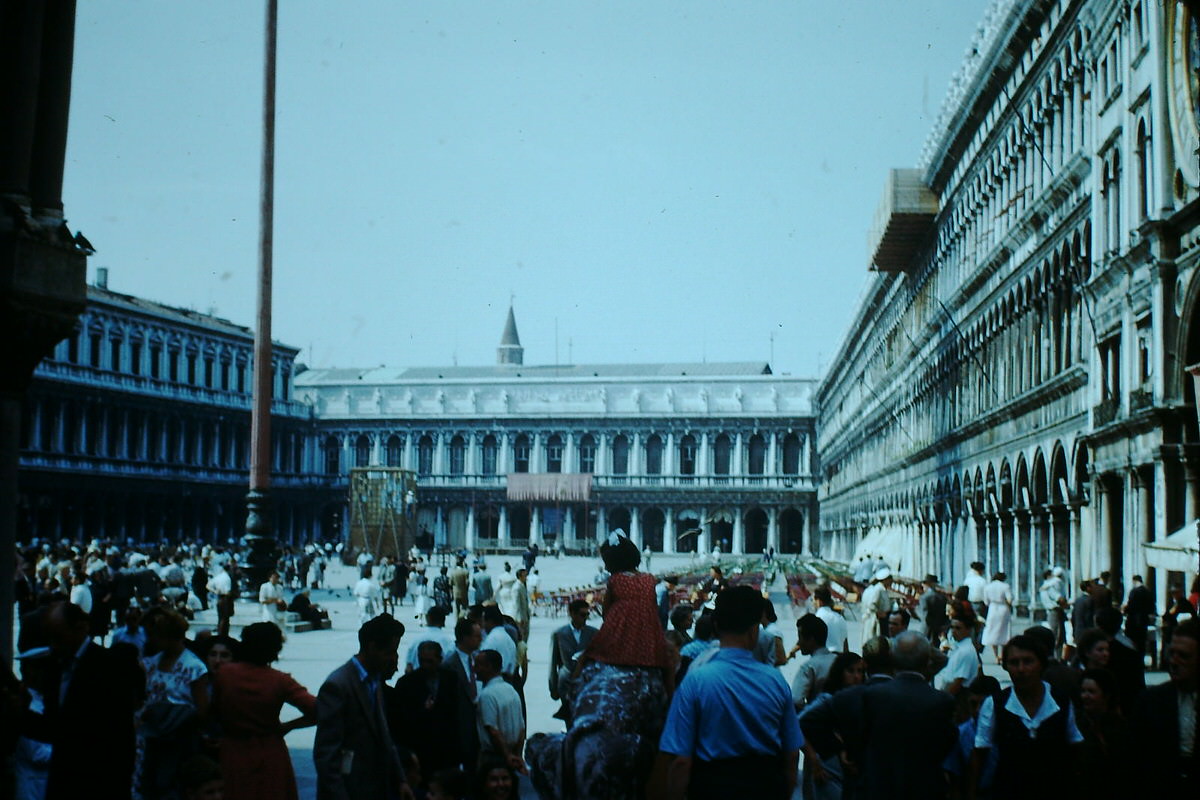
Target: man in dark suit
column 424, row 710
column 1124, row 660
column 461, row 662
column 1165, row 761
column 353, row 750
column 909, row 727
column 565, row 643
column 1139, row 610
column 90, row 700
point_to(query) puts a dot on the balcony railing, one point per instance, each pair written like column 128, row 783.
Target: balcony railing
column 764, row 482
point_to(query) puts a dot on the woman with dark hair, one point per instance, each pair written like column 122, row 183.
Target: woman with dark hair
column 1092, row 649
column 247, row 699
column 823, row 779
column 495, row 780
column 1106, row 745
column 619, row 698
column 168, row 726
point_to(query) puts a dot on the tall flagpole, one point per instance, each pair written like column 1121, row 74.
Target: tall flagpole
column 259, row 530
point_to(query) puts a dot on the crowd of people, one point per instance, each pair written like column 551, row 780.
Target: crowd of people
column 679, row 693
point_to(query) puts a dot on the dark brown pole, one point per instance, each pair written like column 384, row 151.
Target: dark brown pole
column 258, row 523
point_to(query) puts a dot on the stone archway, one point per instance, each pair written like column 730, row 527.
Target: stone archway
column 755, row 523
column 791, row 531
column 653, row 521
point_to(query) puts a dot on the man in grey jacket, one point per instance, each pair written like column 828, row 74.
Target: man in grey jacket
column 353, row 750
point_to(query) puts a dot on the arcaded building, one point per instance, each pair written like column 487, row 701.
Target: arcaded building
column 684, row 457
column 1012, row 387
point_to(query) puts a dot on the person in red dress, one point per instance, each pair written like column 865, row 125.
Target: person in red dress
column 618, row 697
column 248, row 697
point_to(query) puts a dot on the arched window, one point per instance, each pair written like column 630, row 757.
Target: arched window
column 395, row 451
column 425, row 455
column 521, row 454
column 722, row 455
column 488, row 462
column 791, row 454
column 332, row 448
column 620, row 455
column 587, row 454
column 654, row 454
column 554, row 454
column 362, row 451
column 458, row 455
column 1143, row 172
column 687, row 455
column 758, row 455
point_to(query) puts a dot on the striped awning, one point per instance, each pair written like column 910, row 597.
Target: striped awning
column 549, row 487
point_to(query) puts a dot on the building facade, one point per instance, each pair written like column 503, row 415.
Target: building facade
column 1012, row 386
column 684, row 457
column 138, row 427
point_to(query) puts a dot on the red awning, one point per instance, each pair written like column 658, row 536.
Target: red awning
column 550, row 487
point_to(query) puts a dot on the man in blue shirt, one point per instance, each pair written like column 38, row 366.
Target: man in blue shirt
column 732, row 728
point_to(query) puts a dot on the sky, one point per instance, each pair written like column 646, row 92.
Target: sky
column 645, row 181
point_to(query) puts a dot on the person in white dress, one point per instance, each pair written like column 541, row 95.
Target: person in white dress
column 506, row 596
column 367, row 595
column 270, row 595
column 997, row 595
column 418, row 587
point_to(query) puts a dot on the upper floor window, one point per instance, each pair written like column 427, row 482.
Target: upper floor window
column 687, row 455
column 458, row 455
column 791, row 454
column 1145, row 352
column 135, row 358
column 73, row 348
column 425, row 455
column 395, row 451
column 362, row 451
column 332, row 448
column 224, row 375
column 1110, row 368
column 173, row 366
column 94, row 349
column 208, row 372
column 758, row 455
column 488, row 462
column 620, row 455
column 587, row 454
column 654, row 454
column 722, row 455
column 521, row 454
column 554, row 453
column 191, row 369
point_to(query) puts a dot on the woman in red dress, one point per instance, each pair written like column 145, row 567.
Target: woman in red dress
column 247, row 699
column 618, row 701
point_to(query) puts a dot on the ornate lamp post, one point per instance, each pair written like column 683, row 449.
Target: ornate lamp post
column 259, row 530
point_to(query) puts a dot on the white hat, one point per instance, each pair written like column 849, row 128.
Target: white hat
column 883, row 574
column 1057, row 572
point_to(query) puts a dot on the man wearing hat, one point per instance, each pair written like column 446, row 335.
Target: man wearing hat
column 876, row 603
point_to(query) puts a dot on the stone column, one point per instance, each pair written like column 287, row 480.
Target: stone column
column 738, row 468
column 537, row 459
column 1191, row 477
column 441, row 452
column 470, row 456
column 773, row 528
column 739, row 535
column 568, row 531
column 602, row 457
column 535, row 526
column 601, row 523
column 670, row 459
column 703, row 459
column 668, row 535
column 704, row 540
column 635, row 528
column 771, row 468
column 635, row 454
column 570, row 459
column 811, row 542
column 503, row 532
column 469, row 536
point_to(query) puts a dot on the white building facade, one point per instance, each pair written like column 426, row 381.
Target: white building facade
column 1012, row 387
column 684, row 457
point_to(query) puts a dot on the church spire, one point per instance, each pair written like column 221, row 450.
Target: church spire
column 510, row 350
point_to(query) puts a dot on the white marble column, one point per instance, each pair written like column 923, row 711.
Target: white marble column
column 568, row 527
column 471, row 459
column 704, row 540
column 376, row 449
column 441, row 453
column 668, row 536
column 503, row 531
column 772, row 454
column 670, row 459
column 635, row 454
column 535, row 526
column 635, row 528
column 601, row 523
column 537, row 459
column 570, row 457
column 739, row 536
column 602, row 457
column 739, row 458
column 703, row 460
column 773, row 528
column 469, row 535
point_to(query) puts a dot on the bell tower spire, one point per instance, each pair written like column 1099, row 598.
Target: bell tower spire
column 510, row 350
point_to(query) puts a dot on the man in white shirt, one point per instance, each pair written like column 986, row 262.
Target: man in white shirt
column 499, row 721
column 496, row 638
column 838, row 639
column 434, row 631
column 975, row 583
column 221, row 585
column 270, row 595
column 810, row 678
column 963, row 664
column 366, row 594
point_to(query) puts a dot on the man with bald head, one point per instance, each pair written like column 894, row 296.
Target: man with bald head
column 909, row 727
column 90, row 695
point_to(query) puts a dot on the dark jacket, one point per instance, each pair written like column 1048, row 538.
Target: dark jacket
column 428, row 720
column 909, row 730
column 1156, row 734
column 92, row 729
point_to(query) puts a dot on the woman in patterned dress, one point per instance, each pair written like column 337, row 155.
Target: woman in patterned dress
column 619, row 697
column 168, row 725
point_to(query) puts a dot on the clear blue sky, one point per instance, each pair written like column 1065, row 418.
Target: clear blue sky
column 661, row 181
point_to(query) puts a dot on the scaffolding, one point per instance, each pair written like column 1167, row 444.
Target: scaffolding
column 382, row 505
